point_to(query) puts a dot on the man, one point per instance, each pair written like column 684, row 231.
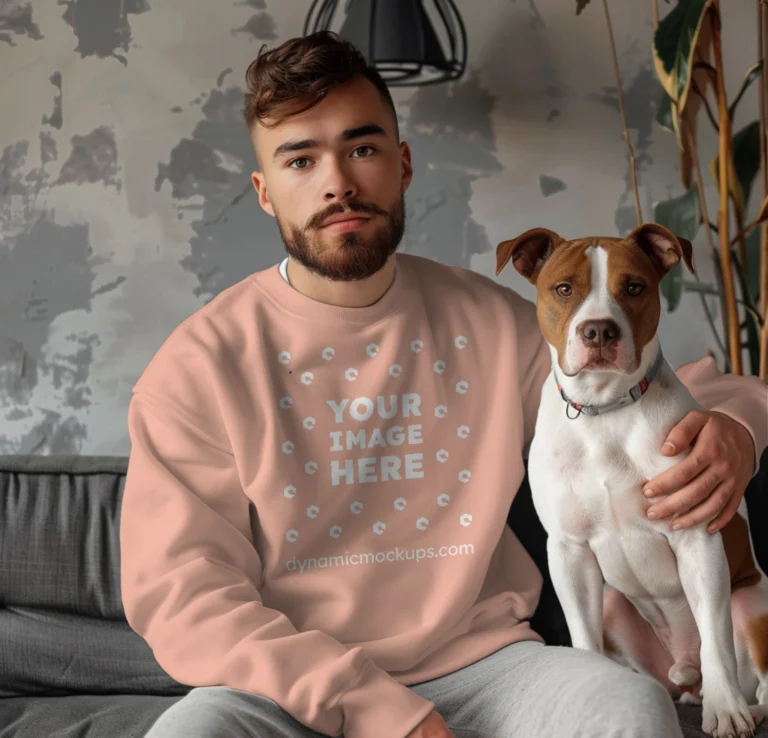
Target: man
column 324, row 456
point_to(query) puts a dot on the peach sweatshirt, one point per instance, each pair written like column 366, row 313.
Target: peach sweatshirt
column 316, row 500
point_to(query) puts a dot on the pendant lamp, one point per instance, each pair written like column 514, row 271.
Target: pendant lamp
column 410, row 42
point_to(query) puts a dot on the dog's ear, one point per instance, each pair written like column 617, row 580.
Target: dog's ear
column 528, row 252
column 663, row 246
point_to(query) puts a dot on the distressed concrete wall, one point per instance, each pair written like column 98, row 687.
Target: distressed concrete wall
column 125, row 201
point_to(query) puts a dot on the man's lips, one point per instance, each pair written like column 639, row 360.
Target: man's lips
column 344, row 222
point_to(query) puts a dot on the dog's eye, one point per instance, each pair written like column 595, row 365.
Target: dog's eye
column 564, row 290
column 634, row 289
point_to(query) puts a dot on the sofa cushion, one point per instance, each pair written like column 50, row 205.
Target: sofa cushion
column 59, row 533
column 62, row 623
column 44, row 652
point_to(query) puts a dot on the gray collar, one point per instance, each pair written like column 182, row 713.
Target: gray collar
column 634, row 394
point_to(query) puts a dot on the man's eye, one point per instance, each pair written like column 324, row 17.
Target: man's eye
column 298, row 161
column 362, row 148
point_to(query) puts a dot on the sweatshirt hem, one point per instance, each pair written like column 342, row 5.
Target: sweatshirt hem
column 464, row 651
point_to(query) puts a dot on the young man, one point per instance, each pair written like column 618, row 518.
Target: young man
column 324, row 456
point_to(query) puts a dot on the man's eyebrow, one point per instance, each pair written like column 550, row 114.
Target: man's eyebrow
column 290, row 146
column 370, row 129
column 367, row 130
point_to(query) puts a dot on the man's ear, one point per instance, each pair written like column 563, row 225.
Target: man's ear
column 528, row 252
column 260, row 185
column 663, row 247
column 407, row 166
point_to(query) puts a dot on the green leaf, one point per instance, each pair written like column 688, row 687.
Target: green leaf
column 664, row 113
column 753, row 345
column 674, row 47
column 752, row 74
column 746, row 164
column 682, row 215
column 746, row 157
column 707, row 289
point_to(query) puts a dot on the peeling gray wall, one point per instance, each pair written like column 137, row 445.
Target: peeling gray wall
column 126, row 204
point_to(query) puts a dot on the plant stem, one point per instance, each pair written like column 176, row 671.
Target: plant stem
column 762, row 39
column 655, row 6
column 627, row 138
column 732, row 314
column 743, row 233
column 710, row 240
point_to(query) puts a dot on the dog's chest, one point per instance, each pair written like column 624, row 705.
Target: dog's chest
column 587, row 474
column 599, row 478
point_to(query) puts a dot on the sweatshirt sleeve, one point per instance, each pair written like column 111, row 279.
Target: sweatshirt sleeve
column 534, row 363
column 190, row 575
column 743, row 398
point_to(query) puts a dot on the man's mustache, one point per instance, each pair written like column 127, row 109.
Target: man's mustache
column 316, row 221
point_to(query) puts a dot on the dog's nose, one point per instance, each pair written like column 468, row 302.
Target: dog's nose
column 600, row 332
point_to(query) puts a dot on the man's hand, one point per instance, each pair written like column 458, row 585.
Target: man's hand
column 433, row 726
column 712, row 479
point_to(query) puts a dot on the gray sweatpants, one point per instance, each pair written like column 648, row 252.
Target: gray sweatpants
column 525, row 690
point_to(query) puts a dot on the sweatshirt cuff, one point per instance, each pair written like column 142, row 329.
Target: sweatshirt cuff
column 759, row 435
column 378, row 705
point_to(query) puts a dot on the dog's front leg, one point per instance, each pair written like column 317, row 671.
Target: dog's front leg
column 705, row 578
column 578, row 583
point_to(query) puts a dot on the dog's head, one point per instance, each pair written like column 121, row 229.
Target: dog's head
column 598, row 299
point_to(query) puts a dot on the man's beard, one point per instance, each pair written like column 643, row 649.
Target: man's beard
column 351, row 256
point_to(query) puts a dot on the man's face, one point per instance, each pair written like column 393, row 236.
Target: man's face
column 339, row 160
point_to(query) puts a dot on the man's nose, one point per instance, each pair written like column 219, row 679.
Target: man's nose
column 599, row 332
column 339, row 186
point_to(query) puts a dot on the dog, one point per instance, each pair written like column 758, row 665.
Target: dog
column 654, row 599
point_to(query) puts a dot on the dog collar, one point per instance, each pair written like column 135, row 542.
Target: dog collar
column 634, row 394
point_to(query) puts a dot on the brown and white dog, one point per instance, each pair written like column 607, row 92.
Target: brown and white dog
column 687, row 607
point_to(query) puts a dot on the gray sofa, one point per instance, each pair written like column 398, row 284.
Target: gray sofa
column 70, row 666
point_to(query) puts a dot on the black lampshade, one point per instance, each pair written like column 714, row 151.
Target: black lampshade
column 410, row 42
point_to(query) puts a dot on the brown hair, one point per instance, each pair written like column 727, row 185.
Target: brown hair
column 298, row 74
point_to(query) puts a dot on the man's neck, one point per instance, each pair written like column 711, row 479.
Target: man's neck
column 358, row 293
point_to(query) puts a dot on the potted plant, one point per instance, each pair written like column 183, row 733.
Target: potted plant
column 688, row 59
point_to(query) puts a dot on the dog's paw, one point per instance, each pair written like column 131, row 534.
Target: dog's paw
column 684, row 675
column 759, row 713
column 728, row 717
column 689, row 698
